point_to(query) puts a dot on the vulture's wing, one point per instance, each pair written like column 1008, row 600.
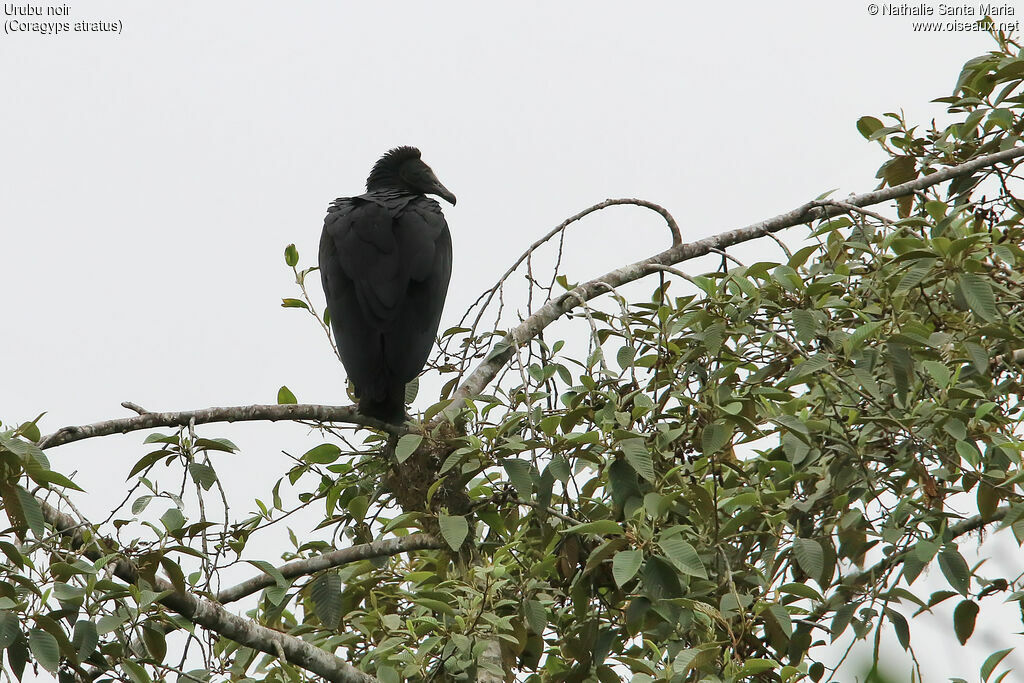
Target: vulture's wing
column 385, row 265
column 426, row 255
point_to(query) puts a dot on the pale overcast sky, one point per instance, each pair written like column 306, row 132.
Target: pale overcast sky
column 149, row 180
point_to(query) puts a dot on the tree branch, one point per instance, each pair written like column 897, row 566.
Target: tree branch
column 871, row 574
column 212, row 616
column 270, row 413
column 1010, row 358
column 488, row 369
column 959, row 529
column 381, row 548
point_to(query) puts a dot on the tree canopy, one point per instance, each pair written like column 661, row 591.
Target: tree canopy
column 707, row 480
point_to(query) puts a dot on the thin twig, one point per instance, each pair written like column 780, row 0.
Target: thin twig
column 785, row 249
column 726, row 255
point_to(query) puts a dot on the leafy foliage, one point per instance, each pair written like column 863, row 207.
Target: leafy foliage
column 777, row 454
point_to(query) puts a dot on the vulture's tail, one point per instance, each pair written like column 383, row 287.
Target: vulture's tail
column 389, row 408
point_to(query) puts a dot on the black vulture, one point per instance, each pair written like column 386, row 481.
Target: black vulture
column 385, row 261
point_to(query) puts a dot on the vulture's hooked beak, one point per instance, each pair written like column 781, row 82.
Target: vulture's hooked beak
column 440, row 190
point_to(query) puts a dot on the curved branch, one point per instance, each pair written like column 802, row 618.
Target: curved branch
column 487, row 296
column 381, row 548
column 271, row 413
column 677, row 237
column 488, row 369
column 211, row 615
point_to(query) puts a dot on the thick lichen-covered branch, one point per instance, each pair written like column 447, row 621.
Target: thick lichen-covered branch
column 265, row 413
column 212, row 616
column 489, row 368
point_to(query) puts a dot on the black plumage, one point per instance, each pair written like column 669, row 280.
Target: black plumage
column 385, row 262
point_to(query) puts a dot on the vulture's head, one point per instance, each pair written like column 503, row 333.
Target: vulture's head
column 402, row 169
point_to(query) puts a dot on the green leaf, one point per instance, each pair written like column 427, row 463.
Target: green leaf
column 625, row 565
column 155, row 642
column 841, row 619
column 135, row 671
column 434, row 605
column 406, row 446
column 939, row 372
column 174, row 573
column 899, row 170
column 140, row 504
column 454, row 529
column 293, row 303
column 802, row 590
column 809, row 556
column 979, row 356
column 754, row 666
column 45, row 649
column 992, row 662
column 714, row 335
column 902, row 365
column 661, row 580
column 536, row 616
column 794, row 424
column 868, row 126
column 10, row 629
column 412, row 389
column 202, row 474
column 714, row 437
column 286, row 397
column 291, row 256
column 913, row 277
column 684, row 556
column 969, row 452
column 862, row 334
column 358, row 506
column 964, row 617
column 604, row 527
column 900, row 625
column 218, row 444
column 812, row 365
column 271, row 571
column 33, row 512
column 639, row 458
column 324, row 454
column 559, row 469
column 781, row 616
column 978, row 293
column 954, row 568
column 622, row 479
column 30, row 430
column 625, row 357
column 805, row 323
column 519, row 473
column 325, row 593
column 46, row 477
column 173, row 519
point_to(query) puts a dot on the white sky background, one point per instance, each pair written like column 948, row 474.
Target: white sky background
column 150, row 181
